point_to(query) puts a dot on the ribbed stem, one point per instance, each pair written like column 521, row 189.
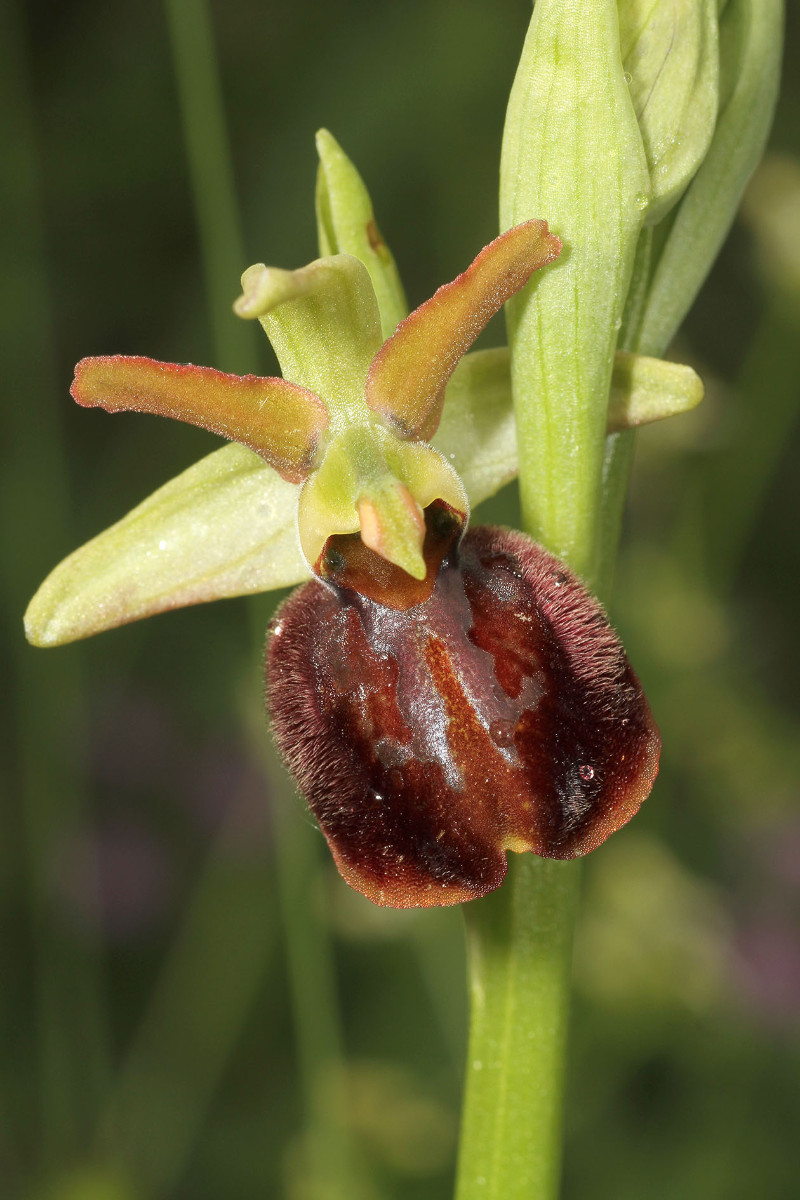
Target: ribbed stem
column 520, row 955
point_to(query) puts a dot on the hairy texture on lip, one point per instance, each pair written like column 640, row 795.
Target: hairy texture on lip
column 500, row 713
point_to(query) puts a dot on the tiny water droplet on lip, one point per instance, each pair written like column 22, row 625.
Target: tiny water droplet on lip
column 502, row 733
column 627, row 77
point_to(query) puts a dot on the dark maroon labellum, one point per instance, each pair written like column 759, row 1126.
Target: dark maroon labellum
column 500, row 713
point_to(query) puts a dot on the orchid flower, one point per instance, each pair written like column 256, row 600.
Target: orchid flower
column 441, row 698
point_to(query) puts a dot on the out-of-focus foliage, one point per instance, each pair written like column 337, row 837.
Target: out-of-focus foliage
column 193, row 1005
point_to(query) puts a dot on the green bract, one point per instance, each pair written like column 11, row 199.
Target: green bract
column 750, row 40
column 359, row 437
column 670, row 55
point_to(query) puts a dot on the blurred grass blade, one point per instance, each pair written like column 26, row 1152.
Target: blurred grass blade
column 45, row 801
column 211, row 173
column 736, row 480
column 322, row 1042
column 195, row 1016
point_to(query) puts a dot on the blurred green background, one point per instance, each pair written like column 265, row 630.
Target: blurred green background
column 192, row 1004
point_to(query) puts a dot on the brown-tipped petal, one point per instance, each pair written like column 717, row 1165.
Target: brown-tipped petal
column 278, row 420
column 408, row 374
column 500, row 714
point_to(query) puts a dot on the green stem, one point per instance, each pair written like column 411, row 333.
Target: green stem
column 562, row 336
column 520, row 955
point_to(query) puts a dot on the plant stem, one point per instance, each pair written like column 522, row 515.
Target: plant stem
column 520, row 955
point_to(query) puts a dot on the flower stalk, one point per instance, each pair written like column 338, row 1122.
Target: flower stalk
column 519, row 944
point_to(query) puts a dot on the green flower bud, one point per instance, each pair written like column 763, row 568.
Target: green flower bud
column 671, row 58
column 572, row 153
column 750, row 41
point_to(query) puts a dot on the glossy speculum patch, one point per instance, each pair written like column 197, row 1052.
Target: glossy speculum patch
column 498, row 714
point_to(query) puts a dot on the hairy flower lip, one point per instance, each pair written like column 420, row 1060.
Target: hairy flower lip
column 499, row 714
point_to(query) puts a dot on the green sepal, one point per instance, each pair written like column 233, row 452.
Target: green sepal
column 346, row 225
column 573, row 155
column 225, row 527
column 478, row 433
column 324, row 325
column 750, row 43
column 670, row 51
column 644, row 390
